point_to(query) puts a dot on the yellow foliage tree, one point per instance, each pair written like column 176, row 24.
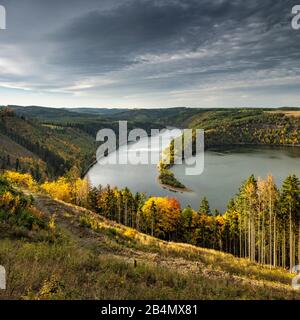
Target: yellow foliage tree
column 24, row 180
column 59, row 189
column 161, row 216
column 75, row 191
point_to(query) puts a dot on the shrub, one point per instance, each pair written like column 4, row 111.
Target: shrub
column 17, row 179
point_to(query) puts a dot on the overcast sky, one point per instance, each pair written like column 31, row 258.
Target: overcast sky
column 156, row 53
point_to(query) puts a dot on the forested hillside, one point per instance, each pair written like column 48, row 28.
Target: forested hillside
column 234, row 127
column 50, row 142
column 91, row 120
column 56, row 250
column 43, row 150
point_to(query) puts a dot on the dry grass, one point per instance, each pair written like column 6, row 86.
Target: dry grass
column 98, row 259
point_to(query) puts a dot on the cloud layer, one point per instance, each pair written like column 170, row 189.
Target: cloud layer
column 145, row 53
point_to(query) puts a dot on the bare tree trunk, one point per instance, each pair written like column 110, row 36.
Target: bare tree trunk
column 245, row 240
column 259, row 231
column 263, row 241
column 119, row 209
column 275, row 244
column 284, row 249
column 240, row 227
column 291, row 241
column 299, row 243
column 253, row 239
column 126, row 213
column 249, row 238
column 270, row 230
column 137, row 221
column 294, row 248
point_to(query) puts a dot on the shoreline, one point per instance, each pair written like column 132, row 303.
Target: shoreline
column 186, row 189
column 173, row 189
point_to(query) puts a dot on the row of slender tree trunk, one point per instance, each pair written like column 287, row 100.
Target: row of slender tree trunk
column 269, row 221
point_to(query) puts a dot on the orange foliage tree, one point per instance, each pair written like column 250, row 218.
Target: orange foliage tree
column 160, row 217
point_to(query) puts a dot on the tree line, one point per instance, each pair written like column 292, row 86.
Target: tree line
column 261, row 223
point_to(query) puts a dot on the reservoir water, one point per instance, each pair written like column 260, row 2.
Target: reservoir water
column 224, row 171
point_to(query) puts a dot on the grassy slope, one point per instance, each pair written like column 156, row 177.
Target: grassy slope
column 98, row 259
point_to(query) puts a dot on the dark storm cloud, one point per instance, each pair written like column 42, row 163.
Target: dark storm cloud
column 109, row 40
column 137, row 47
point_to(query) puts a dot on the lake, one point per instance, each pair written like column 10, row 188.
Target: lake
column 224, row 171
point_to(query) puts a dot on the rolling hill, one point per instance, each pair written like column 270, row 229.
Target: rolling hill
column 82, row 255
column 59, row 139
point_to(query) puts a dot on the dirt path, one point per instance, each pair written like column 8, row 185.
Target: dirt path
column 67, row 218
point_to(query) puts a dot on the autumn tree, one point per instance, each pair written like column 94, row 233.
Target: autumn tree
column 290, row 206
